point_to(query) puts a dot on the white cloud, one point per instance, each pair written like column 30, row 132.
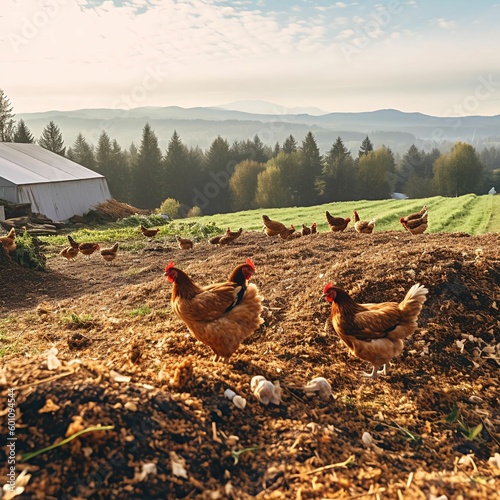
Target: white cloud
column 444, row 23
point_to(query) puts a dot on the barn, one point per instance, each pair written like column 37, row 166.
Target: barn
column 55, row 186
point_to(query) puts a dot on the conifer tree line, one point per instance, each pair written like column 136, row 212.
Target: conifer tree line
column 248, row 174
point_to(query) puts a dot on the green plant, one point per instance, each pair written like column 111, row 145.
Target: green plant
column 76, row 319
column 140, row 311
column 29, row 456
column 456, row 417
column 28, row 252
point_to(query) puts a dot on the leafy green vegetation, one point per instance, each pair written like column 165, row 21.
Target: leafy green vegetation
column 27, row 252
column 140, row 311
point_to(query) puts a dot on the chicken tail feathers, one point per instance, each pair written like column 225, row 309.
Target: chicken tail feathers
column 414, row 300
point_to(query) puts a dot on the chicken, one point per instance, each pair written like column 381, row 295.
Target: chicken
column 149, row 232
column 109, row 254
column 336, row 223
column 314, row 229
column 69, row 253
column 221, row 315
column 363, row 226
column 234, row 234
column 229, row 236
column 375, row 332
column 9, row 242
column 287, row 233
column 72, row 242
column 416, row 215
column 415, row 225
column 184, row 243
column 214, row 240
column 305, row 230
column 88, row 248
column 272, row 227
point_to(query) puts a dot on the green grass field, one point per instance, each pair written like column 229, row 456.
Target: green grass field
column 469, row 214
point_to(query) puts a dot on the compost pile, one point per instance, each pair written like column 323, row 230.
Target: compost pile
column 430, row 427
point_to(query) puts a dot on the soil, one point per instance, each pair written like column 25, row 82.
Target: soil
column 434, row 419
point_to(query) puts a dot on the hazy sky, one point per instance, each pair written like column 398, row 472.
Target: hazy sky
column 436, row 57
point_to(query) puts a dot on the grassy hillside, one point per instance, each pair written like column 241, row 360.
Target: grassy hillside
column 469, row 214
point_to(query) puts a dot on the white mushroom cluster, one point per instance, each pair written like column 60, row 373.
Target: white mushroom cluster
column 265, row 391
column 319, row 385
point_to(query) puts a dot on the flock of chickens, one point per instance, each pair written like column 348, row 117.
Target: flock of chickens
column 415, row 223
column 223, row 315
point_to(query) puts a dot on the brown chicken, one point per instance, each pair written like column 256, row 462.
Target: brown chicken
column 272, row 227
column 69, row 253
column 336, row 223
column 415, row 225
column 109, row 254
column 88, row 248
column 230, row 236
column 220, row 315
column 287, row 233
column 72, row 242
column 416, row 215
column 234, row 234
column 363, row 226
column 375, row 332
column 149, row 232
column 314, row 228
column 214, row 240
column 9, row 242
column 184, row 243
column 305, row 230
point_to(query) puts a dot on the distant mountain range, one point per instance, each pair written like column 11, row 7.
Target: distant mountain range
column 201, row 125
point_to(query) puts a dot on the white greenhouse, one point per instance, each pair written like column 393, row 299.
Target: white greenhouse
column 55, row 186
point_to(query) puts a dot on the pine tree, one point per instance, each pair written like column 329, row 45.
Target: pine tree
column 23, row 134
column 366, row 147
column 290, row 145
column 82, row 152
column 310, row 171
column 148, row 172
column 7, row 122
column 218, row 168
column 339, row 174
column 52, row 139
column 178, row 172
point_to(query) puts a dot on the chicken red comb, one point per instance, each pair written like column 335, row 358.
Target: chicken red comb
column 170, row 265
column 327, row 287
column 250, row 263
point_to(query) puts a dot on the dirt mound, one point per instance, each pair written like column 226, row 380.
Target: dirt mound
column 433, row 419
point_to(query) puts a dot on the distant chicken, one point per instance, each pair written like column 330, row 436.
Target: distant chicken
column 9, row 242
column 416, row 215
column 230, row 236
column 287, row 233
column 336, row 223
column 72, row 242
column 149, row 232
column 305, row 230
column 415, row 225
column 109, row 254
column 363, row 226
column 272, row 227
column 88, row 248
column 69, row 253
column 214, row 240
column 184, row 243
column 375, row 332
column 221, row 315
column 314, row 229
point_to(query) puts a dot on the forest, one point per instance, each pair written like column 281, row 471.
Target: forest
column 188, row 181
